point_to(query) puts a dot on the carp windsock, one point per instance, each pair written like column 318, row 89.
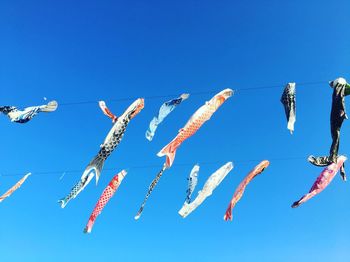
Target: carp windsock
column 192, row 183
column 202, row 115
column 164, row 111
column 213, row 181
column 14, row 188
column 288, row 100
column 104, row 198
column 240, row 189
column 322, row 181
column 111, row 141
column 23, row 116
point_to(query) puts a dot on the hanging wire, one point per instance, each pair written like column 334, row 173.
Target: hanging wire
column 192, row 94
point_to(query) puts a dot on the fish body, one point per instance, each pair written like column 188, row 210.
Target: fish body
column 322, row 181
column 23, row 116
column 14, row 188
column 202, row 115
column 213, row 181
column 240, row 189
column 111, row 141
column 288, row 100
column 107, row 194
column 164, row 111
column 192, row 183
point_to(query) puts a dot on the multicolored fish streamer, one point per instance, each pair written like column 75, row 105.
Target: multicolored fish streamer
column 104, row 198
column 213, row 181
column 240, row 189
column 111, row 141
column 288, row 100
column 164, row 111
column 23, row 116
column 14, row 188
column 322, row 181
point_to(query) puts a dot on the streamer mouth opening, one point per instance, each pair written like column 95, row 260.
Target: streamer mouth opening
column 140, row 105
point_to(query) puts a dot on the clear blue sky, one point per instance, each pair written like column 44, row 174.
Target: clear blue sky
column 91, row 50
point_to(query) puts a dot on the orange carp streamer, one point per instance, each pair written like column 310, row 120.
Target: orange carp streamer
column 202, row 115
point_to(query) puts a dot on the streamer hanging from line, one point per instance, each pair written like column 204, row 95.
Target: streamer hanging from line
column 15, row 187
column 202, row 115
column 192, row 183
column 322, row 181
column 213, row 181
column 164, row 111
column 240, row 189
column 23, row 116
column 107, row 194
column 288, row 100
column 111, row 141
column 150, row 189
column 338, row 114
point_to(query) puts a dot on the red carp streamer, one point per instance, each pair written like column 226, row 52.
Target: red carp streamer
column 240, row 189
column 104, row 198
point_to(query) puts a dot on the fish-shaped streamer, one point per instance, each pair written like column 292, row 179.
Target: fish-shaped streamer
column 150, row 189
column 164, row 111
column 240, row 189
column 23, row 116
column 14, row 188
column 341, row 89
column 322, row 181
column 104, row 198
column 202, row 115
column 213, row 181
column 192, row 183
column 78, row 187
column 111, row 141
column 288, row 100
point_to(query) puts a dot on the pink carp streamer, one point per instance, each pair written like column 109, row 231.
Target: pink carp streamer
column 14, row 188
column 240, row 189
column 104, row 198
column 322, row 181
column 202, row 115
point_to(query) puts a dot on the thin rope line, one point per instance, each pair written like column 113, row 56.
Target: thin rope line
column 192, row 94
column 152, row 166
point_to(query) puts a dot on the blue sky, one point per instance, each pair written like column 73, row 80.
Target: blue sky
column 88, row 50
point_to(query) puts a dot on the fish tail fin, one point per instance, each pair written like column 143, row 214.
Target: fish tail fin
column 88, row 228
column 169, row 151
column 95, row 165
column 296, row 204
column 62, row 202
column 50, row 107
column 228, row 214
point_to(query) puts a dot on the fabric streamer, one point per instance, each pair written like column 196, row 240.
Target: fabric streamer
column 23, row 116
column 111, row 141
column 240, row 189
column 164, row 111
column 104, row 198
column 150, row 189
column 202, row 115
column 338, row 113
column 213, row 181
column 192, row 183
column 15, row 187
column 288, row 100
column 322, row 181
